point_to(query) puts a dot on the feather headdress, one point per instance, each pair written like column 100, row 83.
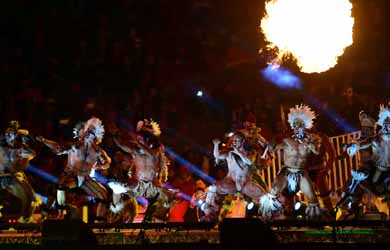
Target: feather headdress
column 149, row 126
column 384, row 113
column 14, row 125
column 303, row 113
column 93, row 125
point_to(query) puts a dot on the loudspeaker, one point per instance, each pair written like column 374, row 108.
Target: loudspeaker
column 245, row 233
column 67, row 232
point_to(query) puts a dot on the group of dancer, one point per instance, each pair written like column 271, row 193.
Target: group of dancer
column 308, row 156
column 85, row 157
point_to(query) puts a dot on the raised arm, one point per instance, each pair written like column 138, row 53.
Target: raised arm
column 104, row 160
column 216, row 153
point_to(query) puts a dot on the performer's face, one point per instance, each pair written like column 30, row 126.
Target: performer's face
column 386, row 127
column 299, row 132
column 10, row 137
column 90, row 137
column 299, row 129
column 248, row 125
column 237, row 142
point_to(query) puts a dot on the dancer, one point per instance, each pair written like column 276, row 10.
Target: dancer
column 150, row 165
column 293, row 174
column 84, row 156
column 15, row 156
column 257, row 147
column 318, row 166
column 238, row 178
column 257, row 144
column 373, row 174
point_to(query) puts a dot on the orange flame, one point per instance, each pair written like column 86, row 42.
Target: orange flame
column 314, row 32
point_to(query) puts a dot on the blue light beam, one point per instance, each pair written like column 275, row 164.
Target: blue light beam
column 281, row 77
column 41, row 173
column 332, row 115
column 189, row 166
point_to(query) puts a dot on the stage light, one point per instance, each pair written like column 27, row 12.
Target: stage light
column 250, row 205
column 299, row 210
column 251, row 209
column 297, row 206
column 230, row 134
column 199, row 93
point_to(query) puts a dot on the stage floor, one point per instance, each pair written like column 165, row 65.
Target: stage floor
column 286, row 232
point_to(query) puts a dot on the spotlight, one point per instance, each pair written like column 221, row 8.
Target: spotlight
column 199, row 93
column 200, row 202
column 230, row 134
column 297, row 206
column 250, row 205
column 299, row 210
column 251, row 209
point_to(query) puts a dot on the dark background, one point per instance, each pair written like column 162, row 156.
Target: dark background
column 132, row 59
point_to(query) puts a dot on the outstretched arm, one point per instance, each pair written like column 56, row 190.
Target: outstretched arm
column 54, row 146
column 131, row 150
column 123, row 147
column 353, row 148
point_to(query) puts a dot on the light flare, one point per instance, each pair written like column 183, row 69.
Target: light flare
column 314, row 32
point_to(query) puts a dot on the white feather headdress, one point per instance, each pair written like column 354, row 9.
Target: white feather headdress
column 303, row 113
column 384, row 112
column 93, row 125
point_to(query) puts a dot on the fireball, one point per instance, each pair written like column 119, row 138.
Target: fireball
column 314, row 32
